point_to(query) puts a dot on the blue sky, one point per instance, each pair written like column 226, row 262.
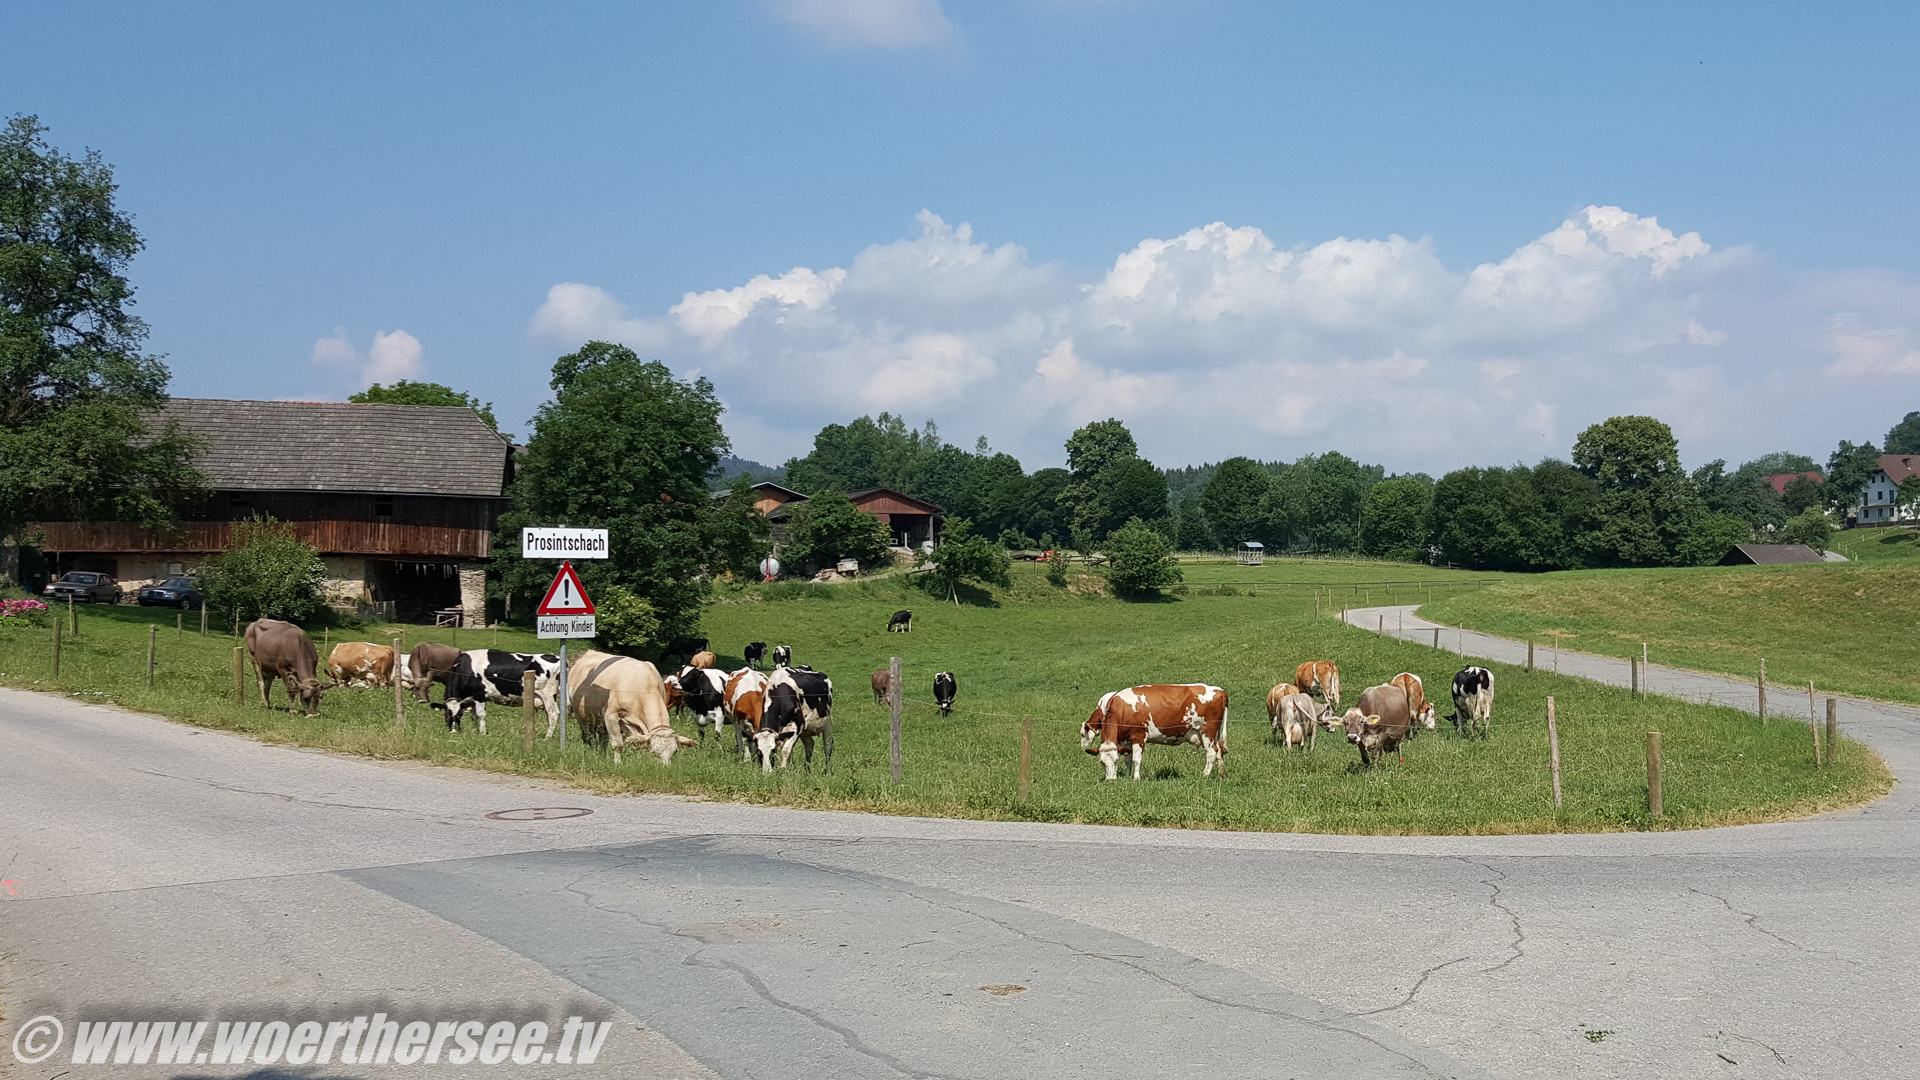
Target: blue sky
column 1427, row 235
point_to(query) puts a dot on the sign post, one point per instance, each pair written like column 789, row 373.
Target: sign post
column 565, row 612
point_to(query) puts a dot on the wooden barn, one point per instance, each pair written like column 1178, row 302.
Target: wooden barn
column 401, row 500
column 912, row 523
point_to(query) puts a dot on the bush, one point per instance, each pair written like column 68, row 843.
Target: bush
column 1710, row 537
column 1140, row 560
column 625, row 621
column 828, row 527
column 23, row 612
column 1015, row 540
column 1056, row 571
column 1812, row 528
column 266, row 572
column 963, row 558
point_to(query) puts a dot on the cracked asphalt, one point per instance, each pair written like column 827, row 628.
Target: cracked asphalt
column 160, row 871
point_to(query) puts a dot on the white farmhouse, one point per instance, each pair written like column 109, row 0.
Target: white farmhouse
column 1878, row 501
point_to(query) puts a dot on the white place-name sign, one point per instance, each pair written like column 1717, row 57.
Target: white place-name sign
column 566, row 626
column 563, row 543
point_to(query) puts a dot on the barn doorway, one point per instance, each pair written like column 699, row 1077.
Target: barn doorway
column 417, row 589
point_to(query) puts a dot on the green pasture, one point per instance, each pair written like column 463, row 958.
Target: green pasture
column 1847, row 628
column 1879, row 546
column 1045, row 653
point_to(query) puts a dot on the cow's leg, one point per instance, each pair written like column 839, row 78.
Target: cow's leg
column 266, row 683
column 786, row 751
column 806, row 762
column 1110, row 759
column 480, row 714
column 828, row 740
column 1139, row 751
column 1214, row 757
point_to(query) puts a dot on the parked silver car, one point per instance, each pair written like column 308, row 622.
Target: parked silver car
column 84, row 587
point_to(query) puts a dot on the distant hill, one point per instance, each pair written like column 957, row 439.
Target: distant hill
column 731, row 467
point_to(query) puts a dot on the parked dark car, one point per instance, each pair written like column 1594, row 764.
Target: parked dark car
column 85, row 587
column 177, row 592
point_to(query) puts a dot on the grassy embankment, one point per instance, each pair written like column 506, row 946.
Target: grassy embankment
column 1050, row 653
column 1848, row 628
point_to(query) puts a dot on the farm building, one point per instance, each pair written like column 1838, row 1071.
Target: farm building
column 400, row 500
column 913, row 523
column 1880, row 501
column 1769, row 555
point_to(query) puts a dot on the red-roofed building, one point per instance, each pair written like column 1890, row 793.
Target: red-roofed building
column 1880, row 502
column 1781, row 480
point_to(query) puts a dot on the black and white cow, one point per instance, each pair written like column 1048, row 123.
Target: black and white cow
column 799, row 706
column 493, row 675
column 703, row 692
column 944, row 688
column 782, row 656
column 901, row 621
column 755, row 652
column 1473, row 701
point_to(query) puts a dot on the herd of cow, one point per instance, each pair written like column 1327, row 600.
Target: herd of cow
column 630, row 702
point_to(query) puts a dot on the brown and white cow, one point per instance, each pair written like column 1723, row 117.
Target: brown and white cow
column 882, row 685
column 703, row 659
column 1418, row 707
column 625, row 698
column 1299, row 720
column 1319, row 678
column 747, row 705
column 1274, row 697
column 361, row 663
column 1379, row 723
column 1127, row 720
column 430, row 662
column 283, row 651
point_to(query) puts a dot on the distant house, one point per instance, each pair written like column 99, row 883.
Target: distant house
column 1781, row 480
column 1769, row 555
column 911, row 522
column 1879, row 503
column 401, row 500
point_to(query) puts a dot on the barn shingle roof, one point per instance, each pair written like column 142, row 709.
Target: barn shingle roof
column 336, row 446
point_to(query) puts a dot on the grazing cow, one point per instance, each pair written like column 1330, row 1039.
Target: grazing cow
column 747, row 704
column 901, row 621
column 703, row 659
column 882, row 683
column 361, row 664
column 1319, row 678
column 944, row 687
column 1473, row 701
column 686, row 648
column 484, row 675
column 1299, row 719
column 1379, row 724
column 625, row 699
column 799, row 706
column 283, row 651
column 782, row 656
column 702, row 692
column 755, row 653
column 1129, row 719
column 1274, row 697
column 429, row 663
column 1418, row 707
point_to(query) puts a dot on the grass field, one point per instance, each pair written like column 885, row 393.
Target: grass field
column 1879, row 546
column 1848, row 628
column 1040, row 651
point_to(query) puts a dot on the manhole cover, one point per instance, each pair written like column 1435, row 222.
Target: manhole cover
column 540, row 813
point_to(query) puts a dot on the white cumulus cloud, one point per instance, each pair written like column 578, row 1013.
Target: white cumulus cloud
column 868, row 24
column 1222, row 341
column 394, row 355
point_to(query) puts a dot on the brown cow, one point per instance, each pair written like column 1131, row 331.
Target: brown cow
column 1273, row 700
column 283, row 651
column 882, row 685
column 1319, row 678
column 747, row 704
column 361, row 663
column 1299, row 720
column 1129, row 719
column 1379, row 724
column 703, row 659
column 430, row 662
column 625, row 698
column 1418, row 707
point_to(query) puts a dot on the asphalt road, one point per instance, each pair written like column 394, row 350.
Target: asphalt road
column 157, row 871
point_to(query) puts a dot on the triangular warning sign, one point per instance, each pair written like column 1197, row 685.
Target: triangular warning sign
column 566, row 596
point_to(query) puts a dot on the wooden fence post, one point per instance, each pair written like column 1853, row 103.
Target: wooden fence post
column 1654, row 800
column 1553, row 751
column 526, row 716
column 1761, row 683
column 203, row 618
column 56, row 647
column 239, row 676
column 893, row 731
column 1813, row 721
column 1833, row 726
column 179, row 626
column 1436, row 639
column 73, row 617
column 1382, row 628
column 1026, row 757
column 1633, row 662
column 399, row 704
column 153, row 635
column 1529, row 656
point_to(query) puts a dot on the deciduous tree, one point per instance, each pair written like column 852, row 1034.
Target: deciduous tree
column 1139, row 560
column 409, row 392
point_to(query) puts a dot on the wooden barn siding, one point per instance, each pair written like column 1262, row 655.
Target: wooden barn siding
column 331, row 537
column 882, row 504
column 445, row 512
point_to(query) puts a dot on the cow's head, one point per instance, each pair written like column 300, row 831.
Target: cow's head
column 1426, row 718
column 1090, row 731
column 664, row 744
column 1356, row 723
column 310, row 690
